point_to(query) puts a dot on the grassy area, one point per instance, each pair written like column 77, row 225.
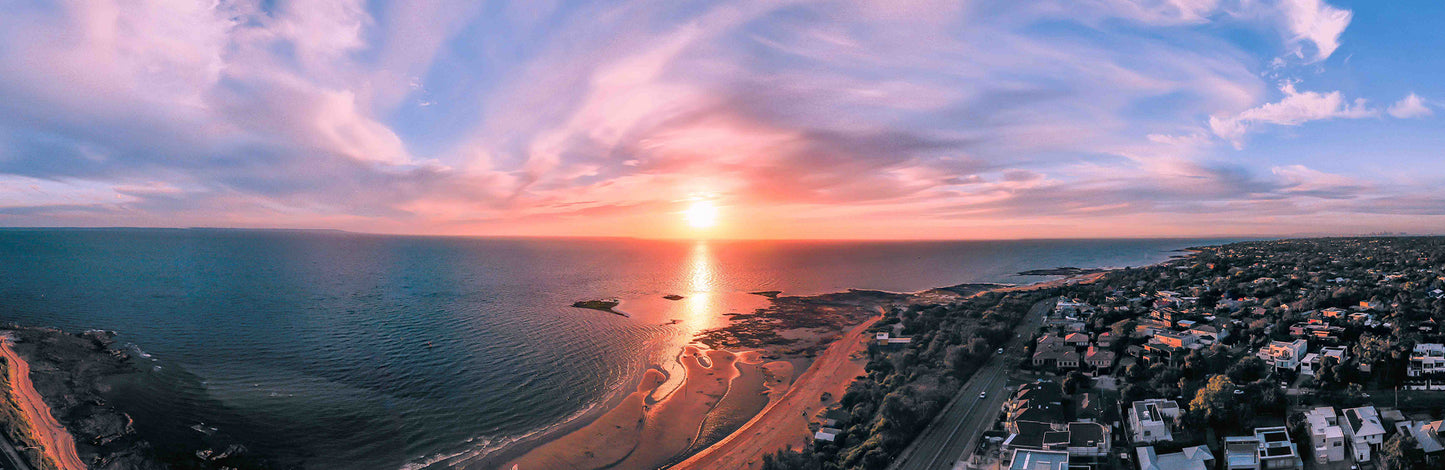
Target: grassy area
column 14, row 424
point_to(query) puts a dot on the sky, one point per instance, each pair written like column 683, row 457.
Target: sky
column 793, row 119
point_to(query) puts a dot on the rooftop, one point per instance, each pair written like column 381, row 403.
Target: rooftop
column 1039, row 460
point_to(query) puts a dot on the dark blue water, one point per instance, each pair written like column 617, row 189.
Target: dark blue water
column 336, row 350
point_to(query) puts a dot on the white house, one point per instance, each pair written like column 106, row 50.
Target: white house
column 1241, row 453
column 1276, row 451
column 1364, row 430
column 1326, row 436
column 1427, row 359
column 1150, row 419
column 1284, row 354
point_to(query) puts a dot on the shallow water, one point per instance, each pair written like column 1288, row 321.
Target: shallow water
column 336, row 350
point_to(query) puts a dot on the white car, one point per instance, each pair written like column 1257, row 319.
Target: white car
column 981, row 395
column 1000, row 350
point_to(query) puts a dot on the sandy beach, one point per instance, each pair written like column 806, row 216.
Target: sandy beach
column 645, row 432
column 59, row 446
column 785, row 422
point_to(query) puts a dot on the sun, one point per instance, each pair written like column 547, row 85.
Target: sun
column 701, row 214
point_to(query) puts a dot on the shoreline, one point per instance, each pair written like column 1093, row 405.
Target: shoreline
column 956, row 291
column 55, row 440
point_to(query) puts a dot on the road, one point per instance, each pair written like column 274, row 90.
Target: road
column 12, row 460
column 953, row 434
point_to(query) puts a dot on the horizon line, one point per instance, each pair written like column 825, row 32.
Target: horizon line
column 741, row 239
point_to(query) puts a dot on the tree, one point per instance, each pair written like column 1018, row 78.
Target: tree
column 1077, row 381
column 1215, row 403
column 1248, row 369
column 1399, row 453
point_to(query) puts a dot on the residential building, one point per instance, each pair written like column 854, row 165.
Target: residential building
column 827, row 434
column 1099, row 359
column 1150, row 420
column 1190, row 458
column 1207, row 334
column 1047, row 357
column 1028, row 459
column 1241, row 453
column 1077, row 340
column 1276, row 451
column 1284, row 355
column 1327, row 438
column 1089, row 408
column 1038, row 402
column 1072, row 308
column 1105, row 340
column 1431, row 439
column 1365, row 431
column 1427, row 359
column 1087, row 440
column 1068, row 360
column 1174, row 339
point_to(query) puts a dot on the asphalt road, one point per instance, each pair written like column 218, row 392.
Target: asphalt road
column 954, row 433
column 12, row 459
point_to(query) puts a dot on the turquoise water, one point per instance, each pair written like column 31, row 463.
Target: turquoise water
column 351, row 351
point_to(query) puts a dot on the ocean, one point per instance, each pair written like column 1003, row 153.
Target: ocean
column 334, row 350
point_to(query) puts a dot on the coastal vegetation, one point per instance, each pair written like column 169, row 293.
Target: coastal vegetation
column 904, row 388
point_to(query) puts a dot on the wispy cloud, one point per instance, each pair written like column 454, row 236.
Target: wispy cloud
column 806, row 117
column 1293, row 109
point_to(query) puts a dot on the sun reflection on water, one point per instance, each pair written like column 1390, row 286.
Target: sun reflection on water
column 698, row 308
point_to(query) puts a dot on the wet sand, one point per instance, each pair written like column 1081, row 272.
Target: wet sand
column 646, row 432
column 57, row 444
column 784, row 422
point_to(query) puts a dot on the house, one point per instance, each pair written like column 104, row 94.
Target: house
column 1326, row 437
column 1165, row 314
column 1068, row 360
column 1038, row 402
column 1174, row 339
column 1105, row 340
column 1427, row 367
column 1313, row 362
column 1241, row 453
column 1149, row 420
column 1276, row 451
column 1190, row 458
column 1207, row 334
column 1028, row 459
column 827, row 434
column 883, row 339
column 1047, row 357
column 1077, row 340
column 1284, row 355
column 1072, row 308
column 1049, row 341
column 1099, row 359
column 1089, row 408
column 1333, row 312
column 1087, row 440
column 1431, row 439
column 1364, row 431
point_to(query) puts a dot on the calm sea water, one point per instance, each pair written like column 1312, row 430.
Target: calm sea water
column 350, row 351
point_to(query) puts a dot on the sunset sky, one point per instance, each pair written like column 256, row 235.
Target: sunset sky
column 772, row 119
